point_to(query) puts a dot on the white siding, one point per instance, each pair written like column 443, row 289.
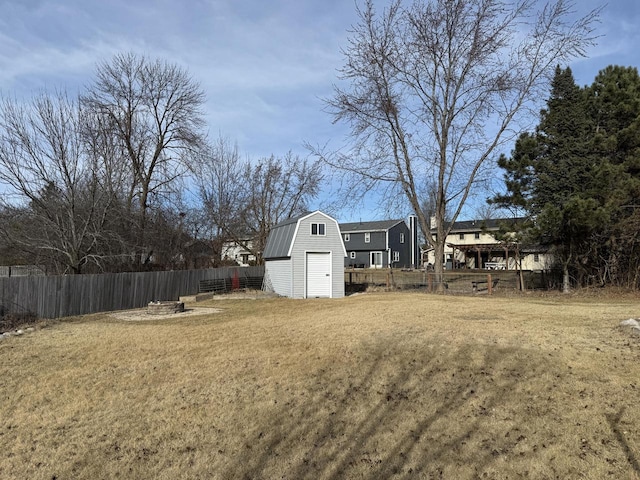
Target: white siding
column 545, row 262
column 278, row 276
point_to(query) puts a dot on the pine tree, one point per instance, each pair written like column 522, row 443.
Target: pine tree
column 550, row 175
column 614, row 105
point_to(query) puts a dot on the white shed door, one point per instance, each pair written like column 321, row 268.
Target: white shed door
column 318, row 275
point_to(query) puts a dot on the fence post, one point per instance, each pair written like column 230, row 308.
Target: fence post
column 489, row 284
column 388, row 283
column 429, row 282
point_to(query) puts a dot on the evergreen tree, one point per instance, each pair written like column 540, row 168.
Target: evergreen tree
column 578, row 177
column 614, row 106
column 550, row 175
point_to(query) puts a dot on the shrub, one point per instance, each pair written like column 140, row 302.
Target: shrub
column 12, row 321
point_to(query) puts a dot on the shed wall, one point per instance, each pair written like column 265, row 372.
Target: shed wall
column 330, row 242
column 278, row 276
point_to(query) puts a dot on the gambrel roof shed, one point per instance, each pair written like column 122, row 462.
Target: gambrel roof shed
column 304, row 257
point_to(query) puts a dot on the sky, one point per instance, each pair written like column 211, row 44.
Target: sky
column 265, row 66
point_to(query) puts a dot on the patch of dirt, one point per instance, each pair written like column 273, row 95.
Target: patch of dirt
column 141, row 314
column 244, row 295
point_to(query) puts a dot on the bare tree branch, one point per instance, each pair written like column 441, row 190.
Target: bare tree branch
column 432, row 90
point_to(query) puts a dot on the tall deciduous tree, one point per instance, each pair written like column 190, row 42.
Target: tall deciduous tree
column 245, row 199
column 152, row 111
column 218, row 174
column 55, row 195
column 278, row 188
column 432, row 89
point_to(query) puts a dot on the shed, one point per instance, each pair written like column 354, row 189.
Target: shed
column 304, row 258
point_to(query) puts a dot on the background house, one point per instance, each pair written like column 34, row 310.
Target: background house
column 304, row 258
column 473, row 244
column 381, row 244
column 236, row 251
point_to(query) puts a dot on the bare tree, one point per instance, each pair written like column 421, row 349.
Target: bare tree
column 433, row 89
column 152, row 111
column 218, row 174
column 55, row 196
column 245, row 199
column 278, row 189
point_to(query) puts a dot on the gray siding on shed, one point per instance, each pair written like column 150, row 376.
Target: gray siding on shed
column 278, row 275
column 330, row 242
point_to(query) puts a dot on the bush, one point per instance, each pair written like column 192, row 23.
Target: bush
column 12, row 321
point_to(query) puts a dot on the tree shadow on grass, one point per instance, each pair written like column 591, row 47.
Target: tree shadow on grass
column 389, row 414
column 614, row 423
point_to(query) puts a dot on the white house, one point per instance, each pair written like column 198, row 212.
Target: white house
column 304, row 258
column 235, row 251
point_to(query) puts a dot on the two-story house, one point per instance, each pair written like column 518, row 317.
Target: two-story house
column 473, row 244
column 381, row 244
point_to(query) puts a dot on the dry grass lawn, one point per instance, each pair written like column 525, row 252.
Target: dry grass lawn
column 371, row 386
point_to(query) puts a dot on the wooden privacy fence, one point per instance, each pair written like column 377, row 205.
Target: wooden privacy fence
column 456, row 281
column 68, row 295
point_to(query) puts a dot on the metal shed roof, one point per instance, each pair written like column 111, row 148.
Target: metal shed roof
column 280, row 238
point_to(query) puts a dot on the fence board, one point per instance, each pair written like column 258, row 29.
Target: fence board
column 63, row 296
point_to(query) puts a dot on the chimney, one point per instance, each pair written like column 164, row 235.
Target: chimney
column 413, row 242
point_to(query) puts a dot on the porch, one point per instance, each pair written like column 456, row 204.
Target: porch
column 490, row 256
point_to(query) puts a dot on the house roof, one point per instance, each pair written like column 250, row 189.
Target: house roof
column 476, row 225
column 375, row 226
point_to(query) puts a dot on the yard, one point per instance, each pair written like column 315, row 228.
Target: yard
column 379, row 385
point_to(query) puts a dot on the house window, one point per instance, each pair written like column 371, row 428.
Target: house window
column 347, row 237
column 367, row 237
column 318, row 228
column 461, row 236
column 402, row 238
column 477, row 235
column 396, row 256
column 352, row 255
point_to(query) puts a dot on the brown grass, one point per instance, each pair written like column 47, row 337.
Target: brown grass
column 370, row 386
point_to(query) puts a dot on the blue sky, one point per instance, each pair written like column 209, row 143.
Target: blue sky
column 264, row 65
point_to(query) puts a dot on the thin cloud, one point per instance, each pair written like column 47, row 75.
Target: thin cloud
column 263, row 65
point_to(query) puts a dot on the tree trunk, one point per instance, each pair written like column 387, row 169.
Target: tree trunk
column 566, row 286
column 438, row 266
column 519, row 267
